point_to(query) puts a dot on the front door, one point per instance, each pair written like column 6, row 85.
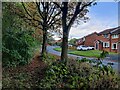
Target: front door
column 96, row 46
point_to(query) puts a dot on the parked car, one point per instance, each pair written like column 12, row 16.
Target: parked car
column 82, row 47
column 90, row 48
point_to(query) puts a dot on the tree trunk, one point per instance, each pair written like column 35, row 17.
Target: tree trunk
column 65, row 33
column 44, row 44
column 64, row 52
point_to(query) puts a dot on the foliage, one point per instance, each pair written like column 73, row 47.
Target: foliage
column 16, row 81
column 18, row 43
column 79, row 74
column 48, row 58
column 73, row 41
column 103, row 54
column 59, row 43
column 47, row 17
column 28, row 76
column 17, row 48
column 72, row 47
column 50, row 39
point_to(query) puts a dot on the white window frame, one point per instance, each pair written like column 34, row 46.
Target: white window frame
column 105, row 35
column 115, row 36
column 108, row 44
column 116, row 46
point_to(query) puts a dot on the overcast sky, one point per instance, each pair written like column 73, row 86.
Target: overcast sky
column 102, row 16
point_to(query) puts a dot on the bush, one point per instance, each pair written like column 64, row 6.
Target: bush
column 72, row 47
column 18, row 43
column 17, row 48
column 48, row 58
column 82, row 75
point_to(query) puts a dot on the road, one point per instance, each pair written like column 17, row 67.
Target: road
column 116, row 65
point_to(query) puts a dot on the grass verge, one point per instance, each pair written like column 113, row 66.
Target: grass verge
column 89, row 53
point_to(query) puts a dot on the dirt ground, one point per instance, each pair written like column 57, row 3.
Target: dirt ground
column 25, row 76
column 29, row 74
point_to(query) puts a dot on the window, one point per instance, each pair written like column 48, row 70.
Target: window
column 114, row 45
column 105, row 35
column 105, row 44
column 115, row 36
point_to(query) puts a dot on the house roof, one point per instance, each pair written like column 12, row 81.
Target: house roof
column 88, row 35
column 116, row 31
column 91, row 34
column 112, row 31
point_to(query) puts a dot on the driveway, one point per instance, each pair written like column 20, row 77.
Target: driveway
column 108, row 59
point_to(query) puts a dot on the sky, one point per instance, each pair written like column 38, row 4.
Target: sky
column 102, row 16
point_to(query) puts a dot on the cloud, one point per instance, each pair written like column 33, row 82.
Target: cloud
column 56, row 37
column 94, row 25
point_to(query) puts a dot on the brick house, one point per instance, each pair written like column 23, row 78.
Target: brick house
column 108, row 40
column 87, row 40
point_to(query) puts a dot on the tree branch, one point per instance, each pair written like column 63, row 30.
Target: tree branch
column 33, row 24
column 57, row 5
column 52, row 10
column 38, row 7
column 55, row 21
column 32, row 18
column 77, row 11
column 54, row 17
column 26, row 10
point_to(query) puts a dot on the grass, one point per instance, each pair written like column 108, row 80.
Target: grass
column 57, row 49
column 89, row 53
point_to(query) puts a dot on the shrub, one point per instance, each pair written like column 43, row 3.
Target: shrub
column 48, row 58
column 18, row 43
column 72, row 48
column 17, row 48
column 81, row 75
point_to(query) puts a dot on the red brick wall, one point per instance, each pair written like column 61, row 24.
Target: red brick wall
column 106, row 49
column 89, row 40
column 102, row 39
column 109, row 49
column 100, row 46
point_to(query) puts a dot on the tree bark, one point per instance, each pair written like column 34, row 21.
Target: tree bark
column 65, row 33
column 44, row 44
column 64, row 52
